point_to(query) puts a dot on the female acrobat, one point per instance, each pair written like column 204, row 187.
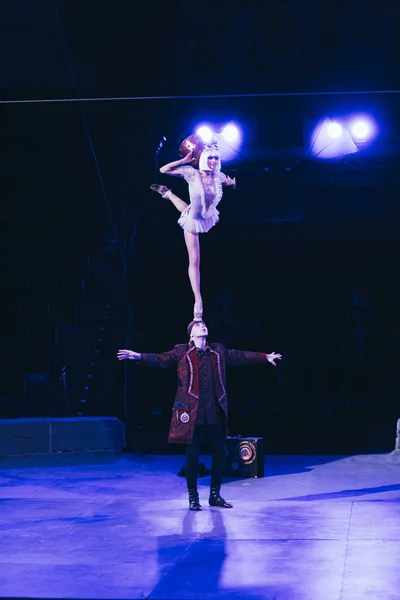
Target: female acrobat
column 201, row 169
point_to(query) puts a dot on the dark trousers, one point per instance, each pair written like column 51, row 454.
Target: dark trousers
column 217, row 436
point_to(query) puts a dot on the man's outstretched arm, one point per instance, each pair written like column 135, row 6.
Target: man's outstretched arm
column 239, row 358
column 164, row 360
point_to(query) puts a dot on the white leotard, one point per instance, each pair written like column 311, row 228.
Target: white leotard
column 202, row 213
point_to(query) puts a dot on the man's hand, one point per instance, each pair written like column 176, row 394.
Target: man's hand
column 271, row 358
column 128, row 355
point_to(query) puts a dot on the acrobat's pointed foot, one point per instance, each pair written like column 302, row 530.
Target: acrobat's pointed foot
column 160, row 189
column 198, row 312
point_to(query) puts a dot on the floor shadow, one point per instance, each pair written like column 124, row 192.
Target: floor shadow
column 345, row 493
column 199, row 571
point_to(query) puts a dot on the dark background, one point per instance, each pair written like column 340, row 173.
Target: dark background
column 303, row 262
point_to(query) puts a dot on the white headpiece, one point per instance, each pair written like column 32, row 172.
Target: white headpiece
column 209, row 151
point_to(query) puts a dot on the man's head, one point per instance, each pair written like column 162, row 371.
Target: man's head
column 197, row 329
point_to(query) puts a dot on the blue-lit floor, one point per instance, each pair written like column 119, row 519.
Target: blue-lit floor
column 314, row 528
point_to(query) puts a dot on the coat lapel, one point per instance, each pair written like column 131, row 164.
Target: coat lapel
column 219, row 384
column 193, row 362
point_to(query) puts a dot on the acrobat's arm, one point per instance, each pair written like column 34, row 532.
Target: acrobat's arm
column 227, row 181
column 178, row 168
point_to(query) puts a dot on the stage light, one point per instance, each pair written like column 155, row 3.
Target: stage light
column 230, row 132
column 360, row 129
column 229, row 139
column 228, row 136
column 205, row 133
column 334, row 130
column 330, row 141
column 363, row 128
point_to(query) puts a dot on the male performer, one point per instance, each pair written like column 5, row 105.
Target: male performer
column 201, row 405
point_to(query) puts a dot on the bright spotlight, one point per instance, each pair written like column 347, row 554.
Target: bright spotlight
column 230, row 132
column 360, row 130
column 205, row 133
column 329, row 141
column 334, row 130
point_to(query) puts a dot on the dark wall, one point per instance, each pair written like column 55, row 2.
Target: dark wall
column 304, row 258
column 257, row 46
column 231, row 47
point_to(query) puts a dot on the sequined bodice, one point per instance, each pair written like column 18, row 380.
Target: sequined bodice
column 205, row 191
column 209, row 196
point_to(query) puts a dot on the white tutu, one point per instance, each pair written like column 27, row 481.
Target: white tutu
column 203, row 201
column 200, row 225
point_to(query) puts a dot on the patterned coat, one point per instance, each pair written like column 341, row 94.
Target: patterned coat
column 185, row 359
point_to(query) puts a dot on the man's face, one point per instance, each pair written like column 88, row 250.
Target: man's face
column 199, row 330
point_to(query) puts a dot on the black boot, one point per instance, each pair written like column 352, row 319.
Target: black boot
column 160, row 189
column 216, row 499
column 194, row 502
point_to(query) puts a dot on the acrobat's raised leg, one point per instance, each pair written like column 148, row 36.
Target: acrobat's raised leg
column 166, row 193
column 193, row 248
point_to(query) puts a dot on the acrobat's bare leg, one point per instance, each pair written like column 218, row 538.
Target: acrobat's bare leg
column 166, row 193
column 193, row 247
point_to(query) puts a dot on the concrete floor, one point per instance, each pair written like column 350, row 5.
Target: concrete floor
column 315, row 528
